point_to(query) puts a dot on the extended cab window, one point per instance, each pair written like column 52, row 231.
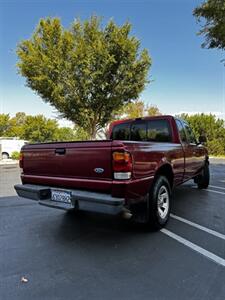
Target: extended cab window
column 138, row 131
column 121, row 132
column 159, row 131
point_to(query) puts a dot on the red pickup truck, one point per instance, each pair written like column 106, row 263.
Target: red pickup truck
column 132, row 173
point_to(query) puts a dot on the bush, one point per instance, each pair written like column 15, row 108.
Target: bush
column 215, row 147
column 15, row 155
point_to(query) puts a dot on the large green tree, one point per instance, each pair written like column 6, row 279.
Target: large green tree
column 87, row 71
column 212, row 12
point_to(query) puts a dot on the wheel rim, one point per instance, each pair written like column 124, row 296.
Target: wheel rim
column 163, row 202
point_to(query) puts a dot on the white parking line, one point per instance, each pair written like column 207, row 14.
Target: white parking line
column 217, row 187
column 210, row 231
column 217, row 259
column 208, row 190
column 212, row 191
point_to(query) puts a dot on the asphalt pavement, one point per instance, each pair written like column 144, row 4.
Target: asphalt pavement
column 90, row 256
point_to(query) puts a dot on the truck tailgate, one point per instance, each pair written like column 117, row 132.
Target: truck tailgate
column 84, row 160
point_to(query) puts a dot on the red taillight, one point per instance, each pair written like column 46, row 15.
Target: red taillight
column 122, row 165
column 21, row 160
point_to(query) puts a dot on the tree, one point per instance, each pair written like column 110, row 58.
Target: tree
column 80, row 134
column 213, row 11
column 153, row 110
column 86, row 72
column 40, row 129
column 17, row 125
column 65, row 134
column 136, row 109
column 212, row 128
column 4, row 124
column 132, row 110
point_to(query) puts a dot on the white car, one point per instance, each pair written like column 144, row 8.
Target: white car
column 9, row 145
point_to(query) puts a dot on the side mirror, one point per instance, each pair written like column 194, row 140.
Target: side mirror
column 202, row 139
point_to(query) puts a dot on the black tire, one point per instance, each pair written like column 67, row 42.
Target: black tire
column 156, row 220
column 202, row 180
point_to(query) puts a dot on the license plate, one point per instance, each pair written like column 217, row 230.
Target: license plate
column 61, row 196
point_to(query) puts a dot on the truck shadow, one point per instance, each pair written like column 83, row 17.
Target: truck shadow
column 97, row 229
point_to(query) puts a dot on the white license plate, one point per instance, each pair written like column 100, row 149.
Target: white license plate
column 61, row 196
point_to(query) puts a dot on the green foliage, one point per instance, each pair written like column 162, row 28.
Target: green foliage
column 38, row 129
column 212, row 128
column 65, row 134
column 15, row 155
column 216, row 147
column 86, row 72
column 81, row 134
column 213, row 11
column 130, row 110
column 153, row 110
column 4, row 123
column 136, row 109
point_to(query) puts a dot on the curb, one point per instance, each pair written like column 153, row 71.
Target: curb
column 8, row 162
column 216, row 160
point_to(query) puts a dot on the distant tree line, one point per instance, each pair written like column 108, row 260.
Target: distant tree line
column 210, row 126
column 41, row 129
column 37, row 129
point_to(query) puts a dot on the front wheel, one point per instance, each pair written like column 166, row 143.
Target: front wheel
column 159, row 203
column 202, row 180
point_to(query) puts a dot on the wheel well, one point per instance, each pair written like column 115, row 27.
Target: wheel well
column 5, row 153
column 166, row 170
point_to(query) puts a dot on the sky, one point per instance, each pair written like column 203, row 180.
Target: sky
column 184, row 77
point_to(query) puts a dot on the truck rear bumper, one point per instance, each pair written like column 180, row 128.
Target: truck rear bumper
column 80, row 200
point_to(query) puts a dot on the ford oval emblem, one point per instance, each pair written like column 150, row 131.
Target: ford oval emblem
column 99, row 170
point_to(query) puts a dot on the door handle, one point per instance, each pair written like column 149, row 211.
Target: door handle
column 60, row 151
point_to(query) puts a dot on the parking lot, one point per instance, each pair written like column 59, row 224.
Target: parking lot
column 93, row 256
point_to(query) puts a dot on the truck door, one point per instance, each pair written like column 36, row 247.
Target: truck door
column 196, row 149
column 188, row 149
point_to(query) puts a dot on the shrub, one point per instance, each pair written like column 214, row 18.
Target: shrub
column 15, row 155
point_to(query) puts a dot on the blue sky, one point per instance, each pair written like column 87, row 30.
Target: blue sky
column 186, row 78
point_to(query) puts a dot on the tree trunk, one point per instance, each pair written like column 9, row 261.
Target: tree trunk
column 93, row 131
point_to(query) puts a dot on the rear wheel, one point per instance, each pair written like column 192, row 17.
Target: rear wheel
column 202, row 180
column 159, row 204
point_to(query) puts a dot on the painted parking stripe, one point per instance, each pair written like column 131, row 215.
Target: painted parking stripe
column 212, row 191
column 210, row 231
column 217, row 259
column 217, row 187
column 208, row 190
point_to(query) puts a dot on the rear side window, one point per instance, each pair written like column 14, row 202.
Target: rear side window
column 138, row 131
column 159, row 131
column 121, row 132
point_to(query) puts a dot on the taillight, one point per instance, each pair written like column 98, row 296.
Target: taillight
column 122, row 165
column 21, row 160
